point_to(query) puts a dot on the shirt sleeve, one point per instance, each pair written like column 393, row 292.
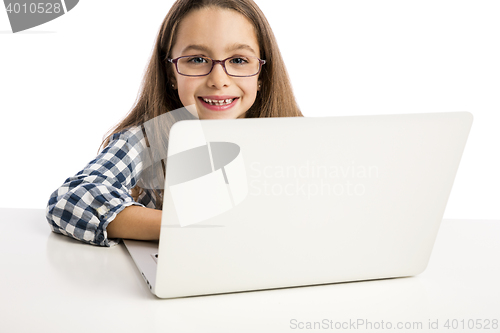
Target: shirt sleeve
column 86, row 203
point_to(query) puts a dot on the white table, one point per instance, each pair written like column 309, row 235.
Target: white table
column 50, row 283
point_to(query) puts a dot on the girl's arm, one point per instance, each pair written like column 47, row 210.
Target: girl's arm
column 85, row 204
column 135, row 222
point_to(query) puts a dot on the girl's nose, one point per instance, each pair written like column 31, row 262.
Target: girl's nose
column 218, row 77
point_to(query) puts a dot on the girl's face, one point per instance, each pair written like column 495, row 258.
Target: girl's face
column 219, row 34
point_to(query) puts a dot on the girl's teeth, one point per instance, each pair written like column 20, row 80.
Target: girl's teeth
column 218, row 102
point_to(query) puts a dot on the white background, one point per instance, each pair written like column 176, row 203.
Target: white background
column 64, row 84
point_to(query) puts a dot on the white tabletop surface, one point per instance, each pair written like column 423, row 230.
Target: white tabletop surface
column 51, row 283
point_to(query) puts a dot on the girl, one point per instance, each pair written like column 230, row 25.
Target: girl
column 219, row 55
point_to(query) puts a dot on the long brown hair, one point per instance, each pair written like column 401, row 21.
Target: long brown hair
column 157, row 96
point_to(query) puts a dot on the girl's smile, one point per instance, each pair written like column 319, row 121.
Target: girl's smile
column 218, row 103
column 219, row 34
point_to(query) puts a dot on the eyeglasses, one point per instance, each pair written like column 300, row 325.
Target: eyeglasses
column 238, row 66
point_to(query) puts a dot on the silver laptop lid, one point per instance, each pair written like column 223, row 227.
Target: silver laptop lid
column 277, row 202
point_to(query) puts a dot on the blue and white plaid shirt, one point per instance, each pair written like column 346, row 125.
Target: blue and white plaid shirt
column 86, row 203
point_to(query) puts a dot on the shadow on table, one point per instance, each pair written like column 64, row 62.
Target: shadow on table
column 102, row 269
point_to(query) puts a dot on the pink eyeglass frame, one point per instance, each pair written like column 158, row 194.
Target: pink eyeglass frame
column 214, row 62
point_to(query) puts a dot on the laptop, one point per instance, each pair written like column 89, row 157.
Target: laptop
column 265, row 203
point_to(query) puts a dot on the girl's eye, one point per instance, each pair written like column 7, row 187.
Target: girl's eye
column 239, row 61
column 197, row 60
